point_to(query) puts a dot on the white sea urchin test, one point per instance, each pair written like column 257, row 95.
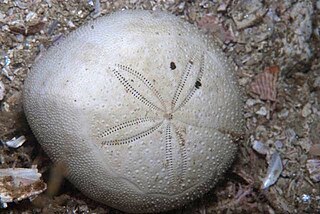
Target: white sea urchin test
column 140, row 107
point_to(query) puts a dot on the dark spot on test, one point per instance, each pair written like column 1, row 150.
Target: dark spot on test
column 198, row 84
column 173, row 66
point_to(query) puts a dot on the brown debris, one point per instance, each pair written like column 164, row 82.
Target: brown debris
column 315, row 150
column 28, row 30
column 211, row 25
column 248, row 12
column 313, row 166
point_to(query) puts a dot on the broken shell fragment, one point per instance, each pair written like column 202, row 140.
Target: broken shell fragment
column 19, row 183
column 313, row 166
column 2, row 90
column 265, row 84
column 274, row 170
column 260, row 147
column 140, row 107
column 15, row 142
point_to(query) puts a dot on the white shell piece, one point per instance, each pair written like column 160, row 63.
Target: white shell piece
column 24, row 176
column 16, row 142
column 2, row 90
column 313, row 166
column 19, row 183
column 260, row 147
column 274, row 170
column 140, row 107
column 262, row 111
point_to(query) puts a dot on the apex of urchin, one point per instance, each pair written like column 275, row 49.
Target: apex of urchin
column 139, row 105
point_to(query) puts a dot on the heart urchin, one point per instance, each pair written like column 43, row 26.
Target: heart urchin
column 140, row 107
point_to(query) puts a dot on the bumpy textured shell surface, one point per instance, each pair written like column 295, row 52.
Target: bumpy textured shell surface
column 139, row 106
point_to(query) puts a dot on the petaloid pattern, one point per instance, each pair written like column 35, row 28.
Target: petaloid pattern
column 166, row 123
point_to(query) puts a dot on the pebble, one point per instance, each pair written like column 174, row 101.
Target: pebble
column 283, row 114
column 315, row 149
column 222, row 7
column 306, row 198
column 278, row 144
column 262, row 111
column 251, row 102
column 247, row 13
column 71, row 24
column 31, row 16
column 306, row 110
column 290, row 135
column 314, row 131
column 316, row 83
column 260, row 147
